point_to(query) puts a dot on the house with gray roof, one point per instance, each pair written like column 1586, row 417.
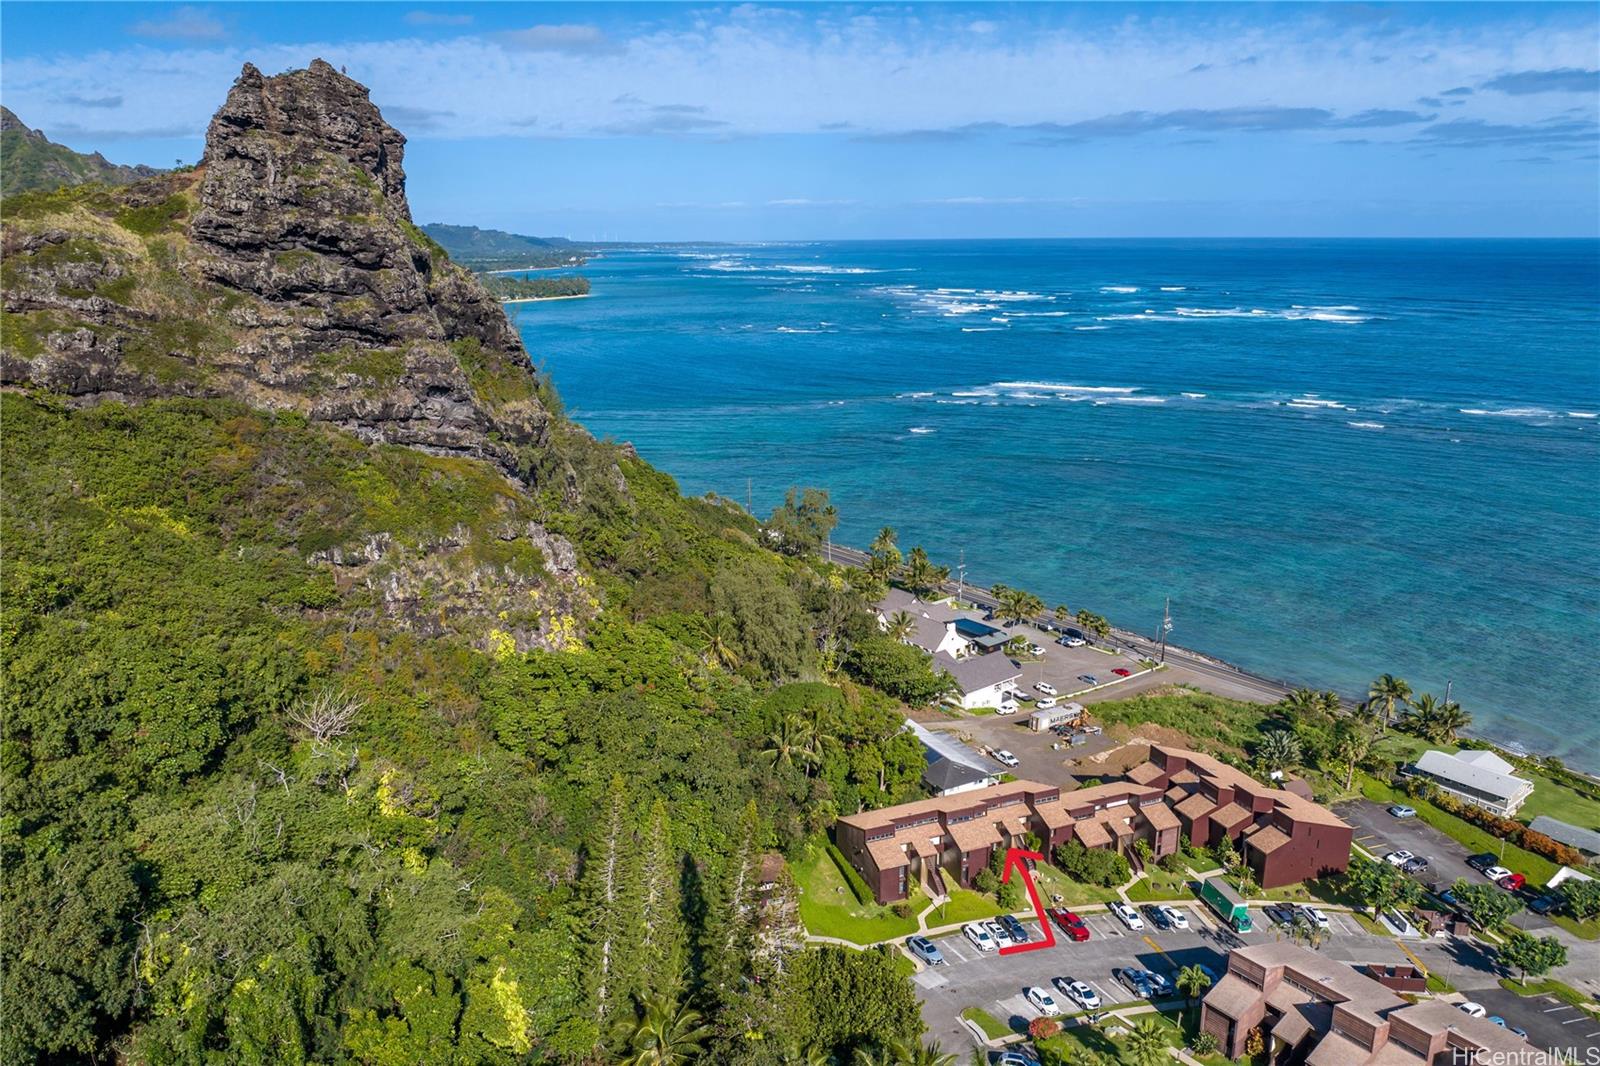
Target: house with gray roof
column 981, row 679
column 1481, row 778
column 946, row 777
column 1573, row 836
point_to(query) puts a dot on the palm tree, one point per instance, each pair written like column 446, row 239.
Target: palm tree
column 810, row 1055
column 1088, row 1057
column 1355, row 741
column 1448, row 721
column 787, row 742
column 666, row 1033
column 717, row 637
column 1302, row 701
column 1193, row 982
column 1385, row 693
column 884, row 541
column 901, row 625
column 1062, row 615
column 815, row 739
column 1017, row 604
column 1332, row 703
column 1147, row 1043
column 921, row 575
column 1279, row 750
column 918, row 1054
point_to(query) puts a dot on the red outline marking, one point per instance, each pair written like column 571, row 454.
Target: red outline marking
column 1014, row 857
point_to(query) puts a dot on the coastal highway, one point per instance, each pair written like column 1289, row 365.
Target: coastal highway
column 1211, row 674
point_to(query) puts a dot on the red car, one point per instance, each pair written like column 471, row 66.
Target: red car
column 1512, row 882
column 1120, row 672
column 1070, row 924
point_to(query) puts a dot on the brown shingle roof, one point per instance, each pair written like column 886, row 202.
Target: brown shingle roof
column 1232, row 995
column 1145, row 773
column 1300, row 808
column 1231, row 816
column 979, row 833
column 1160, row 816
column 1267, row 839
column 1092, row 833
column 961, row 801
column 1195, row 807
column 886, row 854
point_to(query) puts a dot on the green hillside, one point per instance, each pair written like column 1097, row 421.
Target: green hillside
column 29, row 160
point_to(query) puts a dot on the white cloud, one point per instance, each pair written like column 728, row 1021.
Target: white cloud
column 437, row 18
column 778, row 71
column 801, row 201
column 183, row 24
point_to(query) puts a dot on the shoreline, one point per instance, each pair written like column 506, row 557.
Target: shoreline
column 1199, row 662
column 541, row 299
column 527, row 269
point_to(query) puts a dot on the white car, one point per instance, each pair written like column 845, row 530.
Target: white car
column 997, row 933
column 1043, row 1001
column 1035, row 649
column 1079, row 993
column 1496, row 873
column 1045, row 703
column 1178, row 919
column 1128, row 916
column 1046, row 687
column 1315, row 916
column 1476, row 1010
column 1398, row 858
column 979, row 936
column 1005, row 758
column 1006, row 707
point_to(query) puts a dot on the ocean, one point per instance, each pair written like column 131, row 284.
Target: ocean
column 1338, row 458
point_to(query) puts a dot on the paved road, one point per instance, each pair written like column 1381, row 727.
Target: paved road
column 1206, row 672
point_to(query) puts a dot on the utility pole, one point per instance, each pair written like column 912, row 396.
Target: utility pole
column 1166, row 627
column 748, row 504
column 961, row 578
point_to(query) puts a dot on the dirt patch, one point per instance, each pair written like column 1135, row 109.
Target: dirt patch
column 1112, row 761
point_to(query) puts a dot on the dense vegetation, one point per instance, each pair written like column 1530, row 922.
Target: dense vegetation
column 489, row 249
column 254, row 815
column 508, row 288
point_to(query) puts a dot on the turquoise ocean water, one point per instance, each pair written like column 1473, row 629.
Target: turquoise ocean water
column 1338, row 458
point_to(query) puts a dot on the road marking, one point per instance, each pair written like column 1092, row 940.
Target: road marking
column 1574, row 1021
column 1419, row 963
column 1553, row 1010
column 1158, row 947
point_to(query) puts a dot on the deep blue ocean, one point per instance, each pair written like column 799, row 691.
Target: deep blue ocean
column 1338, row 458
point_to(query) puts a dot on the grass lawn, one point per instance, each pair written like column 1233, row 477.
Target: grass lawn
column 964, row 906
column 1366, row 922
column 1326, row 890
column 1547, row 987
column 992, row 1027
column 828, row 908
column 1589, row 930
column 1176, row 1026
column 1159, row 885
column 1053, row 882
column 1536, row 868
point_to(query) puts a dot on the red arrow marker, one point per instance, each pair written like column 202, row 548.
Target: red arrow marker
column 1015, row 857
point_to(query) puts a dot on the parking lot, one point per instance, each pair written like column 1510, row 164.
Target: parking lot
column 996, row 982
column 1548, row 1022
column 1381, row 832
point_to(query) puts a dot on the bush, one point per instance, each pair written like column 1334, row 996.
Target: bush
column 901, row 670
column 1043, row 1028
column 1204, row 1044
column 1092, row 866
column 903, row 909
column 1507, row 829
column 1582, row 898
column 858, row 887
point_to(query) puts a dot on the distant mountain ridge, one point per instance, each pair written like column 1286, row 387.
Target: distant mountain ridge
column 492, row 247
column 30, row 160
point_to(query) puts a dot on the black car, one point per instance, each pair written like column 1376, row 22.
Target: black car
column 1281, row 915
column 1157, row 917
column 1014, row 929
column 1483, row 861
column 1549, row 901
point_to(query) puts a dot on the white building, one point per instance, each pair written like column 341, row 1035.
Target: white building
column 1481, row 778
column 981, row 679
column 938, row 628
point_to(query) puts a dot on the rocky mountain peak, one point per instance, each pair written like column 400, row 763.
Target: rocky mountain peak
column 286, row 272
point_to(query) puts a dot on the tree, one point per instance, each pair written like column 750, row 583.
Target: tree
column 1532, row 956
column 1301, row 702
column 613, row 918
column 786, row 743
column 1379, row 885
column 666, row 1033
column 841, row 999
column 1582, row 898
column 921, row 575
column 1147, row 1043
column 901, row 625
column 1353, row 742
column 1490, row 906
column 803, row 522
column 1385, row 695
column 904, row 672
column 1016, row 604
column 1093, row 623
column 1279, row 750
column 884, row 542
column 662, row 944
column 1225, row 854
column 1193, row 982
column 718, row 635
column 1436, row 719
column 327, row 715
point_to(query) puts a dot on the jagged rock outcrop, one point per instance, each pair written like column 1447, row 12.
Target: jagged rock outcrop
column 284, row 271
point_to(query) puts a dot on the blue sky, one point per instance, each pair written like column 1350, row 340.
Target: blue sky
column 754, row 122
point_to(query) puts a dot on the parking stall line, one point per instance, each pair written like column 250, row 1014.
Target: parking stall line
column 1574, row 1021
